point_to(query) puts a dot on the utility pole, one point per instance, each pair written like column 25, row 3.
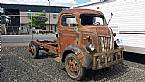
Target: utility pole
column 30, row 14
column 49, row 15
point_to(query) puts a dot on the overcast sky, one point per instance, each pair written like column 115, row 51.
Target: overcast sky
column 45, row 2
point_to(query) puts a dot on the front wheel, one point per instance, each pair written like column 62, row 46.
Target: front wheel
column 34, row 50
column 73, row 67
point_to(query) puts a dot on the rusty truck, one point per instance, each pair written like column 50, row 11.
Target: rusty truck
column 84, row 41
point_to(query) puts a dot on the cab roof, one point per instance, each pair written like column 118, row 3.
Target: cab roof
column 81, row 11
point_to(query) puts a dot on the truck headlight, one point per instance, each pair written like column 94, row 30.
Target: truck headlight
column 118, row 43
column 90, row 47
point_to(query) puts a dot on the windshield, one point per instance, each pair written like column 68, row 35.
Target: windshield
column 92, row 19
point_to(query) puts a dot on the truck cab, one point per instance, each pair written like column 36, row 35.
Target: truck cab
column 84, row 41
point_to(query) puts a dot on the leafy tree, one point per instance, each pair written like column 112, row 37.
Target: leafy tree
column 38, row 21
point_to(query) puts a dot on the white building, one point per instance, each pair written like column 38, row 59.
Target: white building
column 128, row 21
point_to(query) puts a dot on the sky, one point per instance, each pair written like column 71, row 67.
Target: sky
column 81, row 1
column 45, row 2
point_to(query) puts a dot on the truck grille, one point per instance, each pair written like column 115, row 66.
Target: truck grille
column 105, row 43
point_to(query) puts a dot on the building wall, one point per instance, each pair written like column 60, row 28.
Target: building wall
column 25, row 10
column 128, row 16
column 24, row 19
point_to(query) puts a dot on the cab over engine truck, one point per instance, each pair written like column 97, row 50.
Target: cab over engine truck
column 84, row 41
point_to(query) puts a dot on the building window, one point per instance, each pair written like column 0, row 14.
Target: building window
column 54, row 16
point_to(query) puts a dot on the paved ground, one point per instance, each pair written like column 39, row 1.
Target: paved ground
column 26, row 38
column 17, row 66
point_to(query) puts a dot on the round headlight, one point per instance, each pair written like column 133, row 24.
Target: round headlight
column 119, row 43
column 90, row 47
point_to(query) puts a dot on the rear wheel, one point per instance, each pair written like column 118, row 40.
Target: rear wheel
column 34, row 50
column 73, row 67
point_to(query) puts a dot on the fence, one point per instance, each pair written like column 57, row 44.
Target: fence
column 28, row 23
column 21, row 29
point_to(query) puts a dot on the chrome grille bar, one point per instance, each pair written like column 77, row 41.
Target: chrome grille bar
column 104, row 43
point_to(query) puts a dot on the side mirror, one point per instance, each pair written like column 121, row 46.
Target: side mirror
column 56, row 34
column 110, row 18
column 114, row 34
column 111, row 14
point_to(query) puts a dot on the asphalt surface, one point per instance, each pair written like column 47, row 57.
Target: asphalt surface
column 16, row 65
column 26, row 38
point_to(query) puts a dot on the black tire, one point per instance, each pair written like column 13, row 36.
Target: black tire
column 35, row 50
column 76, row 75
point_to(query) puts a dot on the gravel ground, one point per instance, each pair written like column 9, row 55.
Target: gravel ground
column 17, row 66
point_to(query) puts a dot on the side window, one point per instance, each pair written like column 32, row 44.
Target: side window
column 68, row 20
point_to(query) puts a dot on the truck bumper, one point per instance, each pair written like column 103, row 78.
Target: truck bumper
column 107, row 59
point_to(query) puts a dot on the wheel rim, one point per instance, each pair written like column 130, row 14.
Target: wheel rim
column 33, row 50
column 72, row 67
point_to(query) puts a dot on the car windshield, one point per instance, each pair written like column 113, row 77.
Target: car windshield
column 92, row 19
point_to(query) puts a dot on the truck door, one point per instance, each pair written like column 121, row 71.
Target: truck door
column 67, row 31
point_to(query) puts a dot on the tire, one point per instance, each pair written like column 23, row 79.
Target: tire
column 74, row 68
column 35, row 50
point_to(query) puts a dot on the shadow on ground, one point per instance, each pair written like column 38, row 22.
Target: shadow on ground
column 134, row 57
column 43, row 54
column 95, row 75
column 106, row 73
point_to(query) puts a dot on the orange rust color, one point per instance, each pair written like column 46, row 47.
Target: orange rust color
column 98, row 35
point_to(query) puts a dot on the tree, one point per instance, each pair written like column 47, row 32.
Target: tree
column 38, row 21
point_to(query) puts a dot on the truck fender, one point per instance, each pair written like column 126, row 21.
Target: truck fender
column 84, row 57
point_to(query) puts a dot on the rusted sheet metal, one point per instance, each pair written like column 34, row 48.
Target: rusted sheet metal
column 84, row 57
column 51, row 48
column 69, row 36
column 100, row 36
